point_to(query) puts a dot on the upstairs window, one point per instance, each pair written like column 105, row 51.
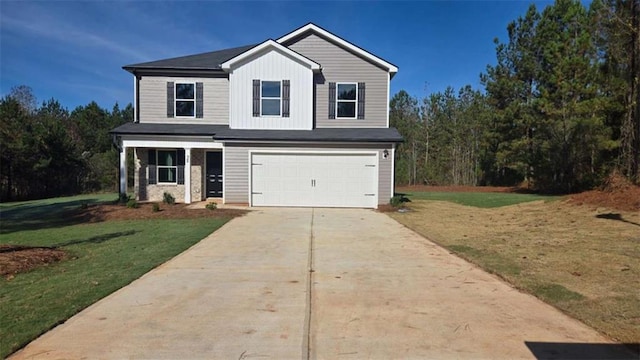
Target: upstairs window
column 271, row 98
column 185, row 99
column 271, row 95
column 346, row 100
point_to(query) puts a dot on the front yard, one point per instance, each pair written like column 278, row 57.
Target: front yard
column 583, row 259
column 100, row 256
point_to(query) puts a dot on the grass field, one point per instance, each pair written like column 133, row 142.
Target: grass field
column 102, row 257
column 481, row 200
column 582, row 259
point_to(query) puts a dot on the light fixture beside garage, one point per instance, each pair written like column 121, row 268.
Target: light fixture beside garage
column 385, row 154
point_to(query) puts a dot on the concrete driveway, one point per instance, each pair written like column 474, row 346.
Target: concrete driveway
column 318, row 284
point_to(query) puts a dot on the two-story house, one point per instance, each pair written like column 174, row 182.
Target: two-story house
column 298, row 121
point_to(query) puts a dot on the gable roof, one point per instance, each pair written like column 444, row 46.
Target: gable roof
column 313, row 28
column 274, row 45
column 205, row 61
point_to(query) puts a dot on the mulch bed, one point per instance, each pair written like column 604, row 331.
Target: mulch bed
column 107, row 212
column 16, row 259
column 617, row 193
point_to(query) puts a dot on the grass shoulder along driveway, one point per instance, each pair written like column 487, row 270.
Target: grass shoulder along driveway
column 101, row 258
column 584, row 260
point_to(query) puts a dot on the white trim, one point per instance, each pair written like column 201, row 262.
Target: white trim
column 355, row 115
column 279, row 98
column 375, row 153
column 123, row 169
column 388, row 93
column 135, row 98
column 175, row 99
column 227, row 65
column 312, row 27
column 187, row 175
column 159, row 144
column 393, row 169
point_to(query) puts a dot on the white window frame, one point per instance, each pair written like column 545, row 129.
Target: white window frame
column 175, row 99
column 279, row 98
column 158, row 166
column 355, row 115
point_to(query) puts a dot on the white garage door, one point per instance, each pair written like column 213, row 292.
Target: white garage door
column 329, row 180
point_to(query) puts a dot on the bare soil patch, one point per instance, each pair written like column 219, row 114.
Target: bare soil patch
column 16, row 259
column 617, row 193
column 585, row 260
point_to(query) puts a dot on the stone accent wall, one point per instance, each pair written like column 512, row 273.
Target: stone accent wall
column 197, row 175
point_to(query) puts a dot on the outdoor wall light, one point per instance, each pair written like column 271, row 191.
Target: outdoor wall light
column 385, row 154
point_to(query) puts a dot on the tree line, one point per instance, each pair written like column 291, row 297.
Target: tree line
column 559, row 112
column 48, row 151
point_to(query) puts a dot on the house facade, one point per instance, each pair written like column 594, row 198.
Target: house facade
column 298, row 121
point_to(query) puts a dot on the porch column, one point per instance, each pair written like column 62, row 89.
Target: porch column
column 187, row 175
column 123, row 170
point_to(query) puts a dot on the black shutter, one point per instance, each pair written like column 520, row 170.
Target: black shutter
column 361, row 100
column 332, row 100
column 152, row 167
column 180, row 163
column 285, row 97
column 180, row 174
column 199, row 101
column 170, row 102
column 256, row 98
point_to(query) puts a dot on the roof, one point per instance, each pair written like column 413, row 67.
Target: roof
column 168, row 129
column 273, row 45
column 205, row 61
column 310, row 27
column 215, row 59
column 224, row 133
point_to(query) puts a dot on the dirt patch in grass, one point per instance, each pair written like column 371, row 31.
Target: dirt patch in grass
column 15, row 259
column 585, row 259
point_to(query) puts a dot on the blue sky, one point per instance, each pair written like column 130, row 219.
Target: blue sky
column 74, row 51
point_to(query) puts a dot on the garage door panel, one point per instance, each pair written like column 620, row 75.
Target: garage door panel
column 333, row 180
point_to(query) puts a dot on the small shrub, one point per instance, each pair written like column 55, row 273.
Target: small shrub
column 132, row 204
column 167, row 198
column 398, row 200
column 211, row 206
column 155, row 207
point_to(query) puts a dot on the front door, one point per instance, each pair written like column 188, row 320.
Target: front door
column 214, row 174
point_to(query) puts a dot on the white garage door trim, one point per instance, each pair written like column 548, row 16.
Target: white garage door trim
column 322, row 195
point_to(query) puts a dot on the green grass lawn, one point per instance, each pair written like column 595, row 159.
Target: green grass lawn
column 102, row 257
column 481, row 200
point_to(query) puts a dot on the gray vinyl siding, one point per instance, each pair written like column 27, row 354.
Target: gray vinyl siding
column 339, row 65
column 236, row 168
column 153, row 100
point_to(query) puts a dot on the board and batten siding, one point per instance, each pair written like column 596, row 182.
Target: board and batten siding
column 236, row 167
column 340, row 65
column 153, row 100
column 271, row 66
